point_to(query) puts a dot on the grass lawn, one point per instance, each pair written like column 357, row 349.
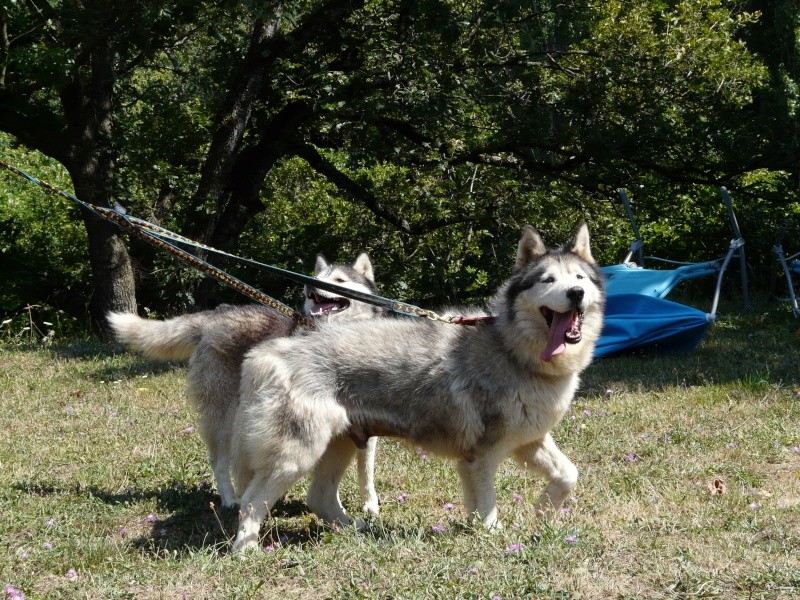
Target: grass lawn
column 689, row 487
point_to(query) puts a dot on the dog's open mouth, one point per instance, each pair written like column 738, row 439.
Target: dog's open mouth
column 326, row 306
column 565, row 328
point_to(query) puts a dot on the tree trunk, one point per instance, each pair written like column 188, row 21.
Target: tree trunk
column 88, row 107
column 114, row 286
column 227, row 138
column 233, row 174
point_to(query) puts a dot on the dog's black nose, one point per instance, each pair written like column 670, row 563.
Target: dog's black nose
column 575, row 294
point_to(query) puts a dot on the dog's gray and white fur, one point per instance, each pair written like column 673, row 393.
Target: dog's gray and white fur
column 215, row 342
column 474, row 394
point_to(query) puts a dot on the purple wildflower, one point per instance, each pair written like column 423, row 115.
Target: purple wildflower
column 438, row 528
column 13, row 593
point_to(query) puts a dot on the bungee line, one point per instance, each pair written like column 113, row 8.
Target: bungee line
column 165, row 239
column 131, row 224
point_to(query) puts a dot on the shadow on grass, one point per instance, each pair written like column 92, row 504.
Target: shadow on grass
column 128, row 364
column 196, row 520
column 85, row 348
column 751, row 350
column 134, row 370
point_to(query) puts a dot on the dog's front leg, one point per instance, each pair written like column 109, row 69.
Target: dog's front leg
column 323, row 493
column 219, row 457
column 366, row 477
column 544, row 457
column 477, row 484
column 263, row 491
column 252, row 513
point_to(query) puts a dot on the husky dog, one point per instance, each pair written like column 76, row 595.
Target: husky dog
column 215, row 342
column 474, row 394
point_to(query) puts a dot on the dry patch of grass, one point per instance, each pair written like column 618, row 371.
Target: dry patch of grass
column 690, row 487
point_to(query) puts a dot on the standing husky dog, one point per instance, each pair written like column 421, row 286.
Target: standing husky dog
column 215, row 342
column 475, row 394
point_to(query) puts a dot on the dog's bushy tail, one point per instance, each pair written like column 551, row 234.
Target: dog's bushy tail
column 173, row 339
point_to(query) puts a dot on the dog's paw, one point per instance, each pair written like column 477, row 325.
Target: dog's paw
column 342, row 524
column 371, row 507
column 230, row 502
column 492, row 525
column 245, row 547
column 245, row 543
column 495, row 527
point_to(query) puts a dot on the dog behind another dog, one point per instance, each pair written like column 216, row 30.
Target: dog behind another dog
column 474, row 394
column 215, row 342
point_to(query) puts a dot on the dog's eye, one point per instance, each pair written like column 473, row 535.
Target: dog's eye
column 339, row 279
column 580, row 276
column 548, row 279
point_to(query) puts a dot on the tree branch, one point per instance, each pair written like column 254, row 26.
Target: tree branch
column 36, row 127
column 360, row 194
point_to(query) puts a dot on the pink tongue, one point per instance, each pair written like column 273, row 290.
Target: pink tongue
column 321, row 309
column 558, row 329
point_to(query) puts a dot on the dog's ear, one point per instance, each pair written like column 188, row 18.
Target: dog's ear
column 529, row 249
column 320, row 265
column 363, row 265
column 579, row 244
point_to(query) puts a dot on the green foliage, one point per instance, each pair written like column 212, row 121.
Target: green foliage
column 42, row 247
column 447, row 126
column 659, row 88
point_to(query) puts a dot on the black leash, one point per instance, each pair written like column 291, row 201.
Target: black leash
column 158, row 237
column 165, row 239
